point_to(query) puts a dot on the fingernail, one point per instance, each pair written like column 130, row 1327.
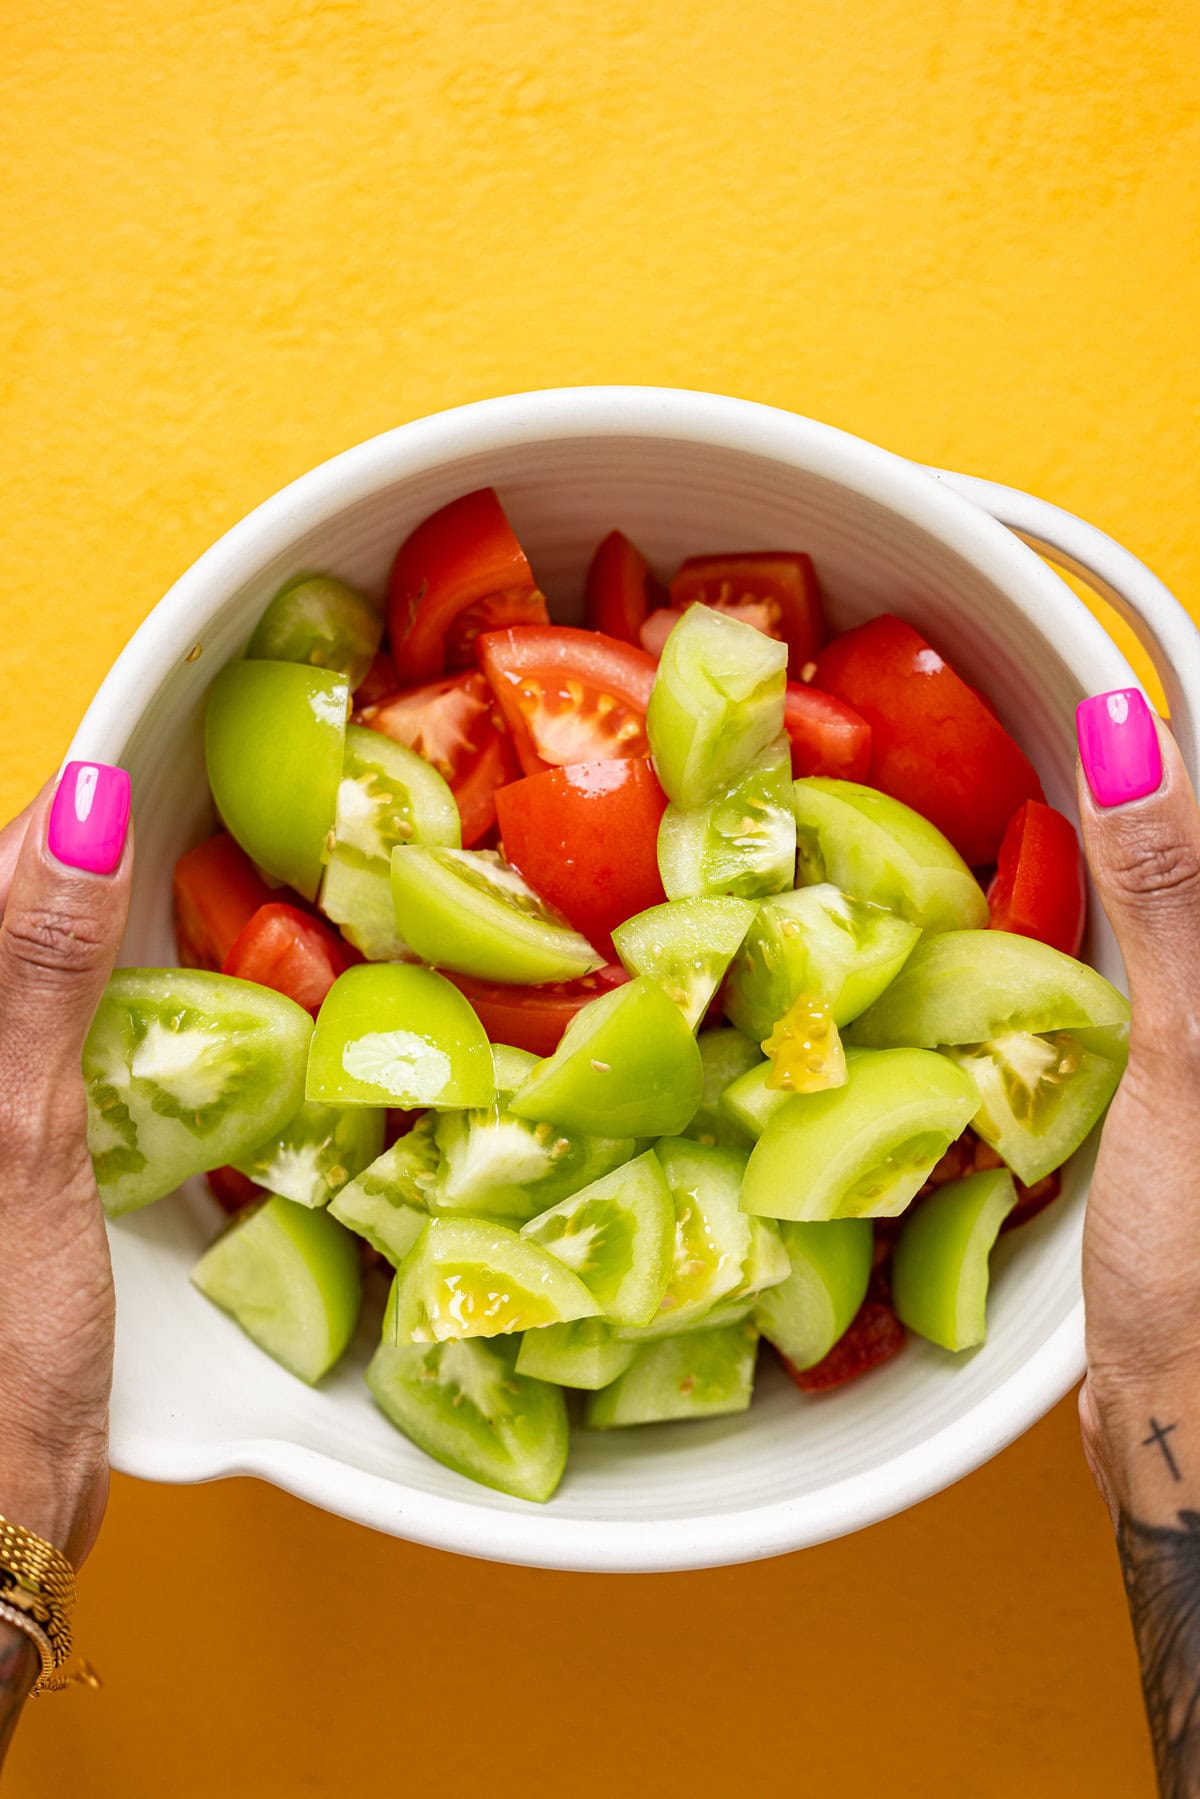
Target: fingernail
column 1118, row 746
column 90, row 816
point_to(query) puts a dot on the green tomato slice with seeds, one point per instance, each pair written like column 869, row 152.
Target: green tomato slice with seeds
column 291, row 1277
column 766, row 1264
column 748, row 1102
column 864, row 1149
column 319, row 620
column 712, row 1236
column 725, row 1055
column 274, row 734
column 466, row 1405
column 742, row 842
column 627, row 1062
column 717, row 702
column 830, row 1266
column 1040, row 1096
column 316, row 1152
column 393, row 1035
column 495, row 1164
column 820, row 942
column 705, row 1374
column 878, row 849
column 469, row 911
column 185, row 1071
column 685, row 946
column 974, row 986
column 389, row 1203
column 940, row 1268
column 618, row 1236
column 584, row 1355
column 469, row 1277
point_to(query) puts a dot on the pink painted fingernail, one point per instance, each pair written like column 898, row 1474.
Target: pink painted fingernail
column 1118, row 746
column 90, row 816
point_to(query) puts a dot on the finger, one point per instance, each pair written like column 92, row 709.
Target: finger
column 1141, row 832
column 58, row 940
column 11, row 839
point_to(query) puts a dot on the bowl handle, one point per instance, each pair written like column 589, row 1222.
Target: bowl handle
column 1152, row 612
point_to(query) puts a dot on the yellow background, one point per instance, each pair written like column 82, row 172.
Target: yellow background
column 238, row 237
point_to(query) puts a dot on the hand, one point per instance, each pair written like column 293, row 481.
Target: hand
column 60, row 927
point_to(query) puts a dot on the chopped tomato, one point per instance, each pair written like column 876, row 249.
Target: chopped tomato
column 827, row 736
column 233, row 1190
column 461, row 572
column 455, row 725
column 774, row 590
column 380, row 679
column 1032, row 1200
column 656, row 627
column 1039, row 889
column 534, row 1018
column 586, row 839
column 934, row 744
column 216, row 890
column 291, row 952
column 568, row 695
column 621, row 589
column 874, row 1336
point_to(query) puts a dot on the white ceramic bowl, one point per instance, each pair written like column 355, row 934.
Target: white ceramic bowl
column 681, row 473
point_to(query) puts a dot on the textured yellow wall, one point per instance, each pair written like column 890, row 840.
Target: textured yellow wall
column 238, row 237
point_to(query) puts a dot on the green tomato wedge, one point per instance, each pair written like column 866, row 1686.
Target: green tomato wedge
column 705, row 1374
column 618, row 1236
column 974, row 986
column 877, row 849
column 717, row 701
column 725, row 1055
column 466, row 1405
column 185, row 1071
column 319, row 620
column 749, row 1102
column 274, row 735
column 513, row 1066
column 470, row 1277
column 584, row 1354
column 685, row 946
column 1041, row 1096
column 469, row 911
column 741, row 843
column 940, row 1262
column 830, row 1263
column 392, row 1035
column 627, row 1062
column 291, row 1277
column 316, row 1152
column 494, row 1164
column 767, row 1263
column 357, row 897
column 389, row 1203
column 862, row 1150
column 712, row 1236
column 820, row 942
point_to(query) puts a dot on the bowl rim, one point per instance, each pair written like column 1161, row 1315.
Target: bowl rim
column 533, row 1535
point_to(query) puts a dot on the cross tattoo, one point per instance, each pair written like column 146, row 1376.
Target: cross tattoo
column 1159, row 1434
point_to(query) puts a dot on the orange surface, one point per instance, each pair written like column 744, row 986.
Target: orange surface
column 238, row 237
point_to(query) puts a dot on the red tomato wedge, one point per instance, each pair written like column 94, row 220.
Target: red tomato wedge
column 380, row 679
column 568, row 695
column 1039, row 889
column 934, row 744
column 454, row 724
column 534, row 1018
column 461, row 572
column 586, row 839
column 232, row 1190
column 216, row 890
column 827, row 736
column 621, row 589
column 292, row 952
column 774, row 590
column 1032, row 1200
column 873, row 1337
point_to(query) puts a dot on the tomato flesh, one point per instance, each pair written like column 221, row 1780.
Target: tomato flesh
column 380, row 679
column 934, row 744
column 827, row 736
column 774, row 590
column 585, row 837
column 569, row 695
column 460, row 572
column 291, row 952
column 453, row 723
column 874, row 1337
column 1040, row 888
column 217, row 890
column 232, row 1189
column 534, row 1018
column 621, row 589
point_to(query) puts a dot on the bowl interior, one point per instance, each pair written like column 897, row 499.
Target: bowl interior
column 194, row 1398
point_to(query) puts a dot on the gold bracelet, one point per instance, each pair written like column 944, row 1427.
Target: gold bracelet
column 37, row 1596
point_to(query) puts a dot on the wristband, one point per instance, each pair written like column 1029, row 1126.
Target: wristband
column 37, row 1596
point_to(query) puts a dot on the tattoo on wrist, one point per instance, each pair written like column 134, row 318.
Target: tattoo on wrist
column 1159, row 1434
column 1161, row 1568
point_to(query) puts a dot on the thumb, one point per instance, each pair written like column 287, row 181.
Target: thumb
column 60, row 933
column 1141, row 832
